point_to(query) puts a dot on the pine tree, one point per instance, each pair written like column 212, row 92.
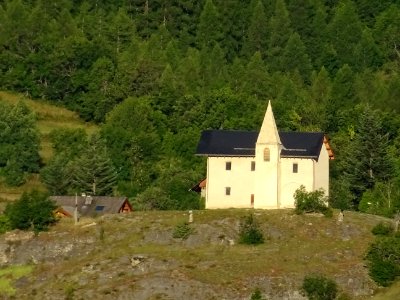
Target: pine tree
column 257, row 32
column 209, row 30
column 256, row 80
column 386, row 32
column 280, row 31
column 344, row 31
column 121, row 31
column 295, row 57
column 366, row 160
column 367, row 53
column 93, row 171
column 19, row 142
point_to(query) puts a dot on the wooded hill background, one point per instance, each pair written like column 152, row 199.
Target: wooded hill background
column 154, row 73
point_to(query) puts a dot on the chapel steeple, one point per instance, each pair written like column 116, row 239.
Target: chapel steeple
column 269, row 132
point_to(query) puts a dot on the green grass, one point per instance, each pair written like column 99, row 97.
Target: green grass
column 392, row 292
column 8, row 275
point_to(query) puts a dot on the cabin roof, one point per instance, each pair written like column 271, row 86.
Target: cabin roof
column 242, row 143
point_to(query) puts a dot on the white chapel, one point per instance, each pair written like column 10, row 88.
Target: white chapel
column 263, row 169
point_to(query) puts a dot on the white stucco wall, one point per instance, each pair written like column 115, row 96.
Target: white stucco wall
column 240, row 179
column 272, row 183
column 321, row 171
column 290, row 181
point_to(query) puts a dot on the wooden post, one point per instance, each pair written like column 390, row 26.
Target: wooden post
column 76, row 209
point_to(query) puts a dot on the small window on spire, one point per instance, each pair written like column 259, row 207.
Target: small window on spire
column 253, row 165
column 266, row 154
column 295, row 168
column 228, row 165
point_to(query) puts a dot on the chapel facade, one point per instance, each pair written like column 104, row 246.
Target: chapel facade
column 247, row 169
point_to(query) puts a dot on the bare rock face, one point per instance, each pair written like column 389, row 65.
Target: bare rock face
column 14, row 245
column 11, row 241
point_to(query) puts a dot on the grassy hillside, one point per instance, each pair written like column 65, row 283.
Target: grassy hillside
column 95, row 259
column 49, row 117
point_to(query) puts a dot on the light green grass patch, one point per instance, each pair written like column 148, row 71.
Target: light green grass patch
column 392, row 292
column 9, row 274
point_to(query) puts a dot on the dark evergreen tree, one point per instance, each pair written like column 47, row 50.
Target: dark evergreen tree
column 257, row 32
column 295, row 57
column 367, row 53
column 344, row 31
column 366, row 160
column 19, row 142
column 93, row 171
column 33, row 211
column 209, row 30
column 386, row 31
column 280, row 31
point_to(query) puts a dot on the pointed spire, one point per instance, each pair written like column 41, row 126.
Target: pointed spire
column 268, row 132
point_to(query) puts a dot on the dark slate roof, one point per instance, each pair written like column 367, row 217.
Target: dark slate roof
column 242, row 143
column 99, row 205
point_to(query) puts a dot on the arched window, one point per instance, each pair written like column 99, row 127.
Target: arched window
column 266, row 154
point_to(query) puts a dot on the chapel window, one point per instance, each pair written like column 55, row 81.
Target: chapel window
column 295, row 168
column 266, row 154
column 228, row 191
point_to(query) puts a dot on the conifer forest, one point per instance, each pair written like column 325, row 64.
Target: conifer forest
column 154, row 73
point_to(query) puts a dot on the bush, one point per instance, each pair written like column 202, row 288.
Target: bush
column 33, row 210
column 315, row 201
column 249, row 231
column 384, row 260
column 382, row 229
column 4, row 224
column 318, row 287
column 182, row 231
column 257, row 295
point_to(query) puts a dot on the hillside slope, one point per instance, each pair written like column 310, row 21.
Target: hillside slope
column 135, row 256
column 49, row 117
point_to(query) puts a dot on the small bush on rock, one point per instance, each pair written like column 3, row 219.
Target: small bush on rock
column 318, row 287
column 182, row 231
column 308, row 202
column 382, row 229
column 249, row 231
column 257, row 295
column 4, row 224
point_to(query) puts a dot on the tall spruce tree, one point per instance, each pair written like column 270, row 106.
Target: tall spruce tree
column 93, row 171
column 295, row 57
column 344, row 31
column 280, row 31
column 365, row 161
column 257, row 32
column 209, row 30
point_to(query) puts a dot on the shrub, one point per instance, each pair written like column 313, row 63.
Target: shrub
column 33, row 210
column 384, row 260
column 4, row 224
column 249, row 231
column 182, row 231
column 382, row 229
column 315, row 201
column 318, row 287
column 257, row 295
